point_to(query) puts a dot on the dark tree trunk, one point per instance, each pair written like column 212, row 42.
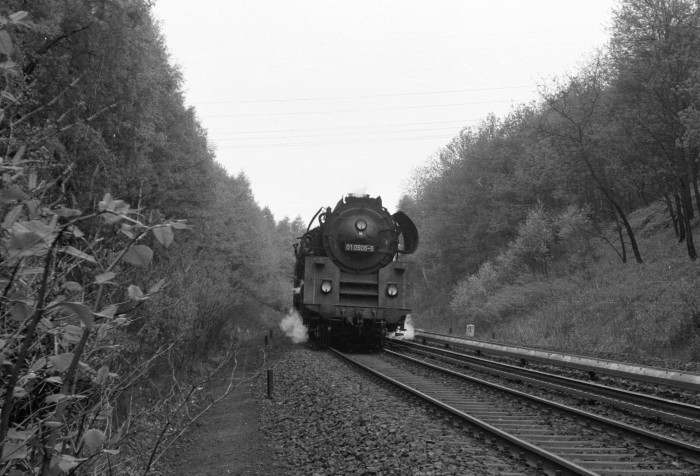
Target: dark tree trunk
column 688, row 209
column 645, row 199
column 692, row 164
column 669, row 207
column 630, row 233
column 696, row 191
column 685, row 184
column 623, row 247
column 620, row 212
column 681, row 221
column 692, row 253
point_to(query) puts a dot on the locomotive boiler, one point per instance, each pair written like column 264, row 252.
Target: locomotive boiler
column 350, row 284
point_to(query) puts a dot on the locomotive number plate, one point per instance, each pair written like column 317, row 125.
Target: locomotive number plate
column 359, row 247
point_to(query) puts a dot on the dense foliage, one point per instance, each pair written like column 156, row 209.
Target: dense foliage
column 129, row 258
column 516, row 202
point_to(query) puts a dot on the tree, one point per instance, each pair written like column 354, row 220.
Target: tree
column 655, row 48
column 575, row 119
column 93, row 288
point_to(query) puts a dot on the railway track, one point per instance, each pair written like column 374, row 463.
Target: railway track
column 663, row 409
column 552, row 437
column 593, row 366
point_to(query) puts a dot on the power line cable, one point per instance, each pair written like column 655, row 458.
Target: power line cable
column 337, row 134
column 319, row 143
column 368, row 96
column 345, row 127
column 341, row 111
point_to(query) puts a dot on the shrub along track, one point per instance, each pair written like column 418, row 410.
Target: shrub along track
column 227, row 439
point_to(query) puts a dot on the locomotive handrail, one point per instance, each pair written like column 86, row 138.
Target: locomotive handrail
column 312, row 219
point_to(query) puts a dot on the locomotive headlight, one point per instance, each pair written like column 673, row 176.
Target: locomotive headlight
column 361, row 225
column 326, row 286
column 392, row 290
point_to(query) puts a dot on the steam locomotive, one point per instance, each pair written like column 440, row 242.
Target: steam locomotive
column 350, row 286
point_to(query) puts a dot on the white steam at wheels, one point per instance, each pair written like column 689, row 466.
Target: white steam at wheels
column 408, row 331
column 294, row 328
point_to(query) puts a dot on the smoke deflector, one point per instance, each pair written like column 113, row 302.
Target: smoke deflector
column 408, row 231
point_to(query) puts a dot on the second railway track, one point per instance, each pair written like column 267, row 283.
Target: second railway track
column 663, row 409
column 550, row 436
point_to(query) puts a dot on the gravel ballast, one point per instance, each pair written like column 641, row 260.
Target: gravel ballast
column 327, row 418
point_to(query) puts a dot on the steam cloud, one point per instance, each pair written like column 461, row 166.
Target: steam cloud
column 294, row 328
column 410, row 331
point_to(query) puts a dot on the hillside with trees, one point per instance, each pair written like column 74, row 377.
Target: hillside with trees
column 130, row 260
column 536, row 226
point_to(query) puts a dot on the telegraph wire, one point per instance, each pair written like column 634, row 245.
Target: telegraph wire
column 334, row 142
column 345, row 127
column 368, row 96
column 374, row 41
column 349, row 133
column 360, row 110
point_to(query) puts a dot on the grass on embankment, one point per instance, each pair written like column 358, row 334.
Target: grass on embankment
column 647, row 310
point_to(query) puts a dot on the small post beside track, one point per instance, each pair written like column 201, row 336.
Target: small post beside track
column 270, row 383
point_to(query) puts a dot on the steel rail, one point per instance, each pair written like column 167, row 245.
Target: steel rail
column 572, row 447
column 689, row 450
column 672, row 378
column 669, row 410
column 563, row 466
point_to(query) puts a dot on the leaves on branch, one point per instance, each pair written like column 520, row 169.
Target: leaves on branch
column 78, row 254
column 138, row 255
column 104, row 277
column 156, row 287
column 164, row 234
column 5, row 43
column 135, row 293
column 61, row 362
column 108, row 312
column 81, row 311
column 94, row 438
column 8, row 195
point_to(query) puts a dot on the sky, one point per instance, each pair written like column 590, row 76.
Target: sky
column 315, row 99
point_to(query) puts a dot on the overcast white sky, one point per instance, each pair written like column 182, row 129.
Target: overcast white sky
column 315, row 99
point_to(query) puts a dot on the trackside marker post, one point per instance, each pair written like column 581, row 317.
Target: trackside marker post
column 270, row 383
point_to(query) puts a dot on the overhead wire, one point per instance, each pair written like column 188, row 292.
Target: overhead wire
column 347, row 133
column 460, row 121
column 339, row 111
column 365, row 134
column 317, row 143
column 367, row 96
